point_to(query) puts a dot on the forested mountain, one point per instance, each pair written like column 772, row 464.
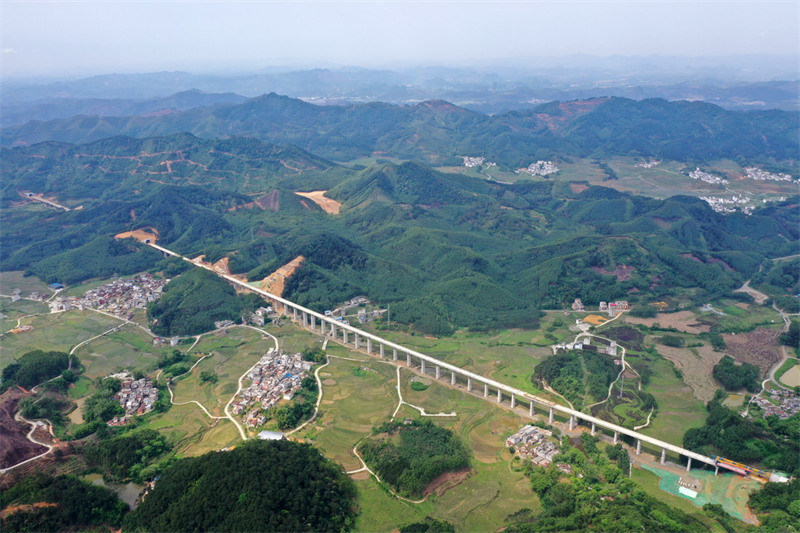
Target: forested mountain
column 51, row 108
column 438, row 132
column 445, row 250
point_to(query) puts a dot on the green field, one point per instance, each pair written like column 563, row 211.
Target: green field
column 18, row 309
column 130, row 348
column 26, row 284
column 229, row 357
column 59, row 331
column 509, row 356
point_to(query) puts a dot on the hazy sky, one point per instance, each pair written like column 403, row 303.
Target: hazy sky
column 66, row 37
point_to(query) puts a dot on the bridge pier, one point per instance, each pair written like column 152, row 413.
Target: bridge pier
column 716, row 469
column 394, row 354
column 452, row 378
column 469, row 384
column 551, row 417
column 530, row 409
column 616, row 437
column 499, row 395
column 663, row 455
column 688, row 464
column 305, row 319
column 294, row 312
column 408, row 359
column 344, row 333
column 571, row 422
column 313, row 322
column 485, row 390
column 358, row 341
column 593, row 429
column 438, row 371
column 369, row 346
column 382, row 351
column 513, row 401
column 422, row 366
column 638, row 446
column 333, row 330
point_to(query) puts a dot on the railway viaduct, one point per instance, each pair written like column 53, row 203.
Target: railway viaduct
column 377, row 346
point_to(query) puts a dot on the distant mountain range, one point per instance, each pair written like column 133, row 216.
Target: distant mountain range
column 438, row 132
column 488, row 91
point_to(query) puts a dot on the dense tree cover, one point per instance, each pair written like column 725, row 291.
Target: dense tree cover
column 102, row 406
column 44, row 407
column 33, row 368
column 259, row 486
column 429, row 525
column 79, row 505
column 792, row 337
column 577, row 375
column 409, row 456
column 770, row 442
column 126, row 456
column 779, row 277
column 191, row 303
column 675, row 341
column 289, row 415
column 441, row 131
column 446, row 251
column 777, row 506
column 314, row 354
column 734, row 377
column 598, row 496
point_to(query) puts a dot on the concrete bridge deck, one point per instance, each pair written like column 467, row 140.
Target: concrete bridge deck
column 329, row 326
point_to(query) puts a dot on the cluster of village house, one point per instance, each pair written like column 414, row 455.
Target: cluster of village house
column 276, row 377
column 648, row 164
column 540, row 168
column 612, row 308
column 788, row 403
column 735, row 203
column 137, row 397
column 362, row 314
column 470, row 162
column 698, row 174
column 16, row 295
column 759, row 174
column 119, row 297
column 585, row 343
column 531, row 442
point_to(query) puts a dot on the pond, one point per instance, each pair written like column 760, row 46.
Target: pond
column 127, row 492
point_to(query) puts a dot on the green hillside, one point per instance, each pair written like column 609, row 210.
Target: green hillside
column 438, row 132
column 445, row 250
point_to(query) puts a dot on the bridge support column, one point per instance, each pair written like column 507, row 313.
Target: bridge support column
column 616, row 437
column 333, row 330
column 594, row 429
column 358, row 341
column 382, row 351
column 688, row 463
column 530, row 409
column 452, row 378
column 294, row 309
column 469, row 384
column 344, row 333
column 513, row 401
column 322, row 326
column 485, row 390
column 305, row 319
column 313, row 322
column 499, row 395
column 663, row 455
column 571, row 422
column 638, row 446
column 438, row 371
column 422, row 366
column 369, row 346
column 551, row 417
column 394, row 354
column 408, row 359
column 716, row 469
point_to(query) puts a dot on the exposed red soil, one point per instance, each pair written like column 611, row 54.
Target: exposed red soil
column 11, row 509
column 270, row 202
column 578, row 188
column 444, row 482
column 16, row 446
column 758, row 347
column 622, row 272
column 569, row 112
